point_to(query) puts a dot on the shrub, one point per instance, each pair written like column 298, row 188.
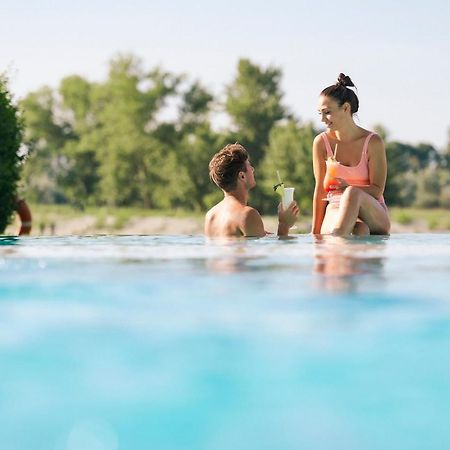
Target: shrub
column 428, row 188
column 433, row 223
column 403, row 218
column 11, row 131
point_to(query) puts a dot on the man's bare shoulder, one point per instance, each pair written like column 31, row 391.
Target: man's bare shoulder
column 249, row 213
column 227, row 219
column 224, row 219
column 211, row 216
column 252, row 224
column 210, row 213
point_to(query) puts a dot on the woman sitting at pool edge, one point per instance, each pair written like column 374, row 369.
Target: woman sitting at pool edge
column 354, row 203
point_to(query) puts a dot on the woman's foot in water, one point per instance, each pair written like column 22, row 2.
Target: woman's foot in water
column 360, row 229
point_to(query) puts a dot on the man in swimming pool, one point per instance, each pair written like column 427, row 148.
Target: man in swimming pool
column 231, row 171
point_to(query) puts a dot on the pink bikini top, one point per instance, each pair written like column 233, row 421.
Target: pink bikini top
column 354, row 175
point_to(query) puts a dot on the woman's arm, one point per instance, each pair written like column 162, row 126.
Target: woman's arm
column 377, row 167
column 319, row 167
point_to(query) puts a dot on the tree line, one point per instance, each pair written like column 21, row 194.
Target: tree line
column 11, row 155
column 111, row 143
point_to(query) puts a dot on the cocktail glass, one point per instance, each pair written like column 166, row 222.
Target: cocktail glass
column 288, row 196
column 330, row 175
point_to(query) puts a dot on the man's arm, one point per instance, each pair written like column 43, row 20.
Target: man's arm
column 253, row 225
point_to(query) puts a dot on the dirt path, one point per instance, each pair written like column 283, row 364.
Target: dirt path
column 86, row 225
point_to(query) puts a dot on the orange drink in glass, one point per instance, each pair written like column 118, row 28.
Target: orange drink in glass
column 330, row 174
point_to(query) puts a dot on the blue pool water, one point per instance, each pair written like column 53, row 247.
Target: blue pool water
column 157, row 342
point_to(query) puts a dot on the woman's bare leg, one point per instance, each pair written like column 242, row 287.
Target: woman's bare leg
column 354, row 204
column 360, row 229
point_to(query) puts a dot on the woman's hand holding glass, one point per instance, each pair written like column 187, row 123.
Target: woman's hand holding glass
column 339, row 185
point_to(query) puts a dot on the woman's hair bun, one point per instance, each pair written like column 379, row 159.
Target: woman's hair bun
column 344, row 80
column 341, row 93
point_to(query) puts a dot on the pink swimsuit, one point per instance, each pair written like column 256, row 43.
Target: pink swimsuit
column 354, row 175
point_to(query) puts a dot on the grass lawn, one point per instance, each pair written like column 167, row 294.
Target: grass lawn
column 432, row 219
column 115, row 220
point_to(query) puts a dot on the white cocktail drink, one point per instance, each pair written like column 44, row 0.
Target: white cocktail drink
column 288, row 196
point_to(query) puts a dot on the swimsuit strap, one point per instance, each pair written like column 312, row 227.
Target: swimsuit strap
column 330, row 151
column 327, row 144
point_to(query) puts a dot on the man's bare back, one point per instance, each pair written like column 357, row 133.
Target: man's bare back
column 231, row 218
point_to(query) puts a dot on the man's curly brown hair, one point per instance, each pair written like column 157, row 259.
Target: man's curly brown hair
column 225, row 166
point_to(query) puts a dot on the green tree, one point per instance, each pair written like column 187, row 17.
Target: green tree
column 444, row 199
column 11, row 133
column 197, row 144
column 45, row 136
column 194, row 152
column 405, row 163
column 97, row 143
column 290, row 152
column 428, row 188
column 76, row 103
column 132, row 159
column 399, row 189
column 254, row 104
column 196, row 103
column 78, row 176
column 446, row 156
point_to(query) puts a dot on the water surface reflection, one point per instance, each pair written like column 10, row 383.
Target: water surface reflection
column 342, row 264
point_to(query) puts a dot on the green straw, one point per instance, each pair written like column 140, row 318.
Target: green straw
column 280, row 184
column 279, row 177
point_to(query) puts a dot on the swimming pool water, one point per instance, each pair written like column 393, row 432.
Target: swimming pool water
column 171, row 342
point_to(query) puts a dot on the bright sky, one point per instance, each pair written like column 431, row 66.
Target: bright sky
column 397, row 53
